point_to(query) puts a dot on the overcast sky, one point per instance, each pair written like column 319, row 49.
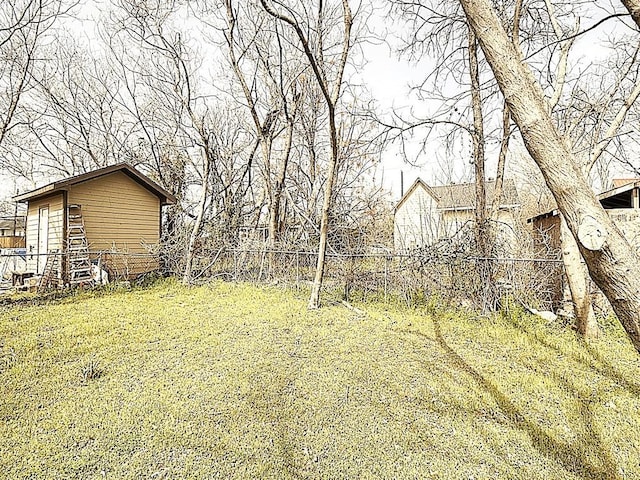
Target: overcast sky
column 388, row 79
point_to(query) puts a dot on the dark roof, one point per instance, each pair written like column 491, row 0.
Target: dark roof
column 165, row 197
column 617, row 190
column 9, row 222
column 617, row 197
column 462, row 196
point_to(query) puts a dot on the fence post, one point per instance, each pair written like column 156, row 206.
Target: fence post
column 386, row 270
column 235, row 264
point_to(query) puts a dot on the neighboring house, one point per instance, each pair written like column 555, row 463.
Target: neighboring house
column 12, row 232
column 427, row 214
column 120, row 207
column 622, row 203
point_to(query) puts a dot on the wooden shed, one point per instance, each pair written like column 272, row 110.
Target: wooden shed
column 622, row 203
column 116, row 209
column 12, row 232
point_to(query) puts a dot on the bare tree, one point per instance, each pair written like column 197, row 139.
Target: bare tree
column 146, row 23
column 329, row 76
column 613, row 265
column 24, row 24
column 590, row 123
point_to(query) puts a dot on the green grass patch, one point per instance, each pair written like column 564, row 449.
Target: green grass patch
column 235, row 381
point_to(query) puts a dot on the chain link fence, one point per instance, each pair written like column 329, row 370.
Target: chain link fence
column 20, row 270
column 414, row 277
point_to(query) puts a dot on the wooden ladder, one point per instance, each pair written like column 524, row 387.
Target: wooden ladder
column 79, row 263
column 51, row 275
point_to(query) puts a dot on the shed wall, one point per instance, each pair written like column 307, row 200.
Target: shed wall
column 119, row 213
column 628, row 221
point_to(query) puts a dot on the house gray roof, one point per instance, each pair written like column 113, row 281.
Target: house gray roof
column 462, row 196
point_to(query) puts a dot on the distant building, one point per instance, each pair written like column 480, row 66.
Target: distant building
column 12, row 232
column 622, row 203
column 120, row 211
column 426, row 214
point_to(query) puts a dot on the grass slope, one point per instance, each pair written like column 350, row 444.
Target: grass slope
column 233, row 381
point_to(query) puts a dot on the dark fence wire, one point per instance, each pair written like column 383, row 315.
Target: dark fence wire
column 480, row 282
column 414, row 277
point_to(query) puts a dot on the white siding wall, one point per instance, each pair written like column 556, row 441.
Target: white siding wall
column 628, row 221
column 56, row 228
column 416, row 221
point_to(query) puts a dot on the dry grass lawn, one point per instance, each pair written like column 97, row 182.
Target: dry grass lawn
column 235, row 381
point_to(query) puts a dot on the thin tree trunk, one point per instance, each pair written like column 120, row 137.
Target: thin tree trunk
column 331, row 95
column 478, row 147
column 506, row 123
column 314, row 298
column 578, row 281
column 484, row 267
column 276, row 194
column 502, row 162
column 197, row 226
column 612, row 263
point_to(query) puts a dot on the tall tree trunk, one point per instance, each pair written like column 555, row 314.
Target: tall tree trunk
column 331, row 95
column 197, row 225
column 478, row 148
column 578, row 281
column 314, row 298
column 484, row 266
column 574, row 270
column 612, row 263
column 278, row 187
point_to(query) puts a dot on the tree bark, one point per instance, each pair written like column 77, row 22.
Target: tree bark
column 615, row 267
column 633, row 6
column 578, row 281
column 478, row 146
column 197, row 225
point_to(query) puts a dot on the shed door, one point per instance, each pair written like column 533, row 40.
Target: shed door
column 43, row 237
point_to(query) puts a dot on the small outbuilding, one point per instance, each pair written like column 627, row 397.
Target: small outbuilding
column 622, row 203
column 114, row 213
column 12, row 232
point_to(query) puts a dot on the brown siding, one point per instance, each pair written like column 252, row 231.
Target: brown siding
column 12, row 242
column 56, row 227
column 119, row 214
column 546, row 236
